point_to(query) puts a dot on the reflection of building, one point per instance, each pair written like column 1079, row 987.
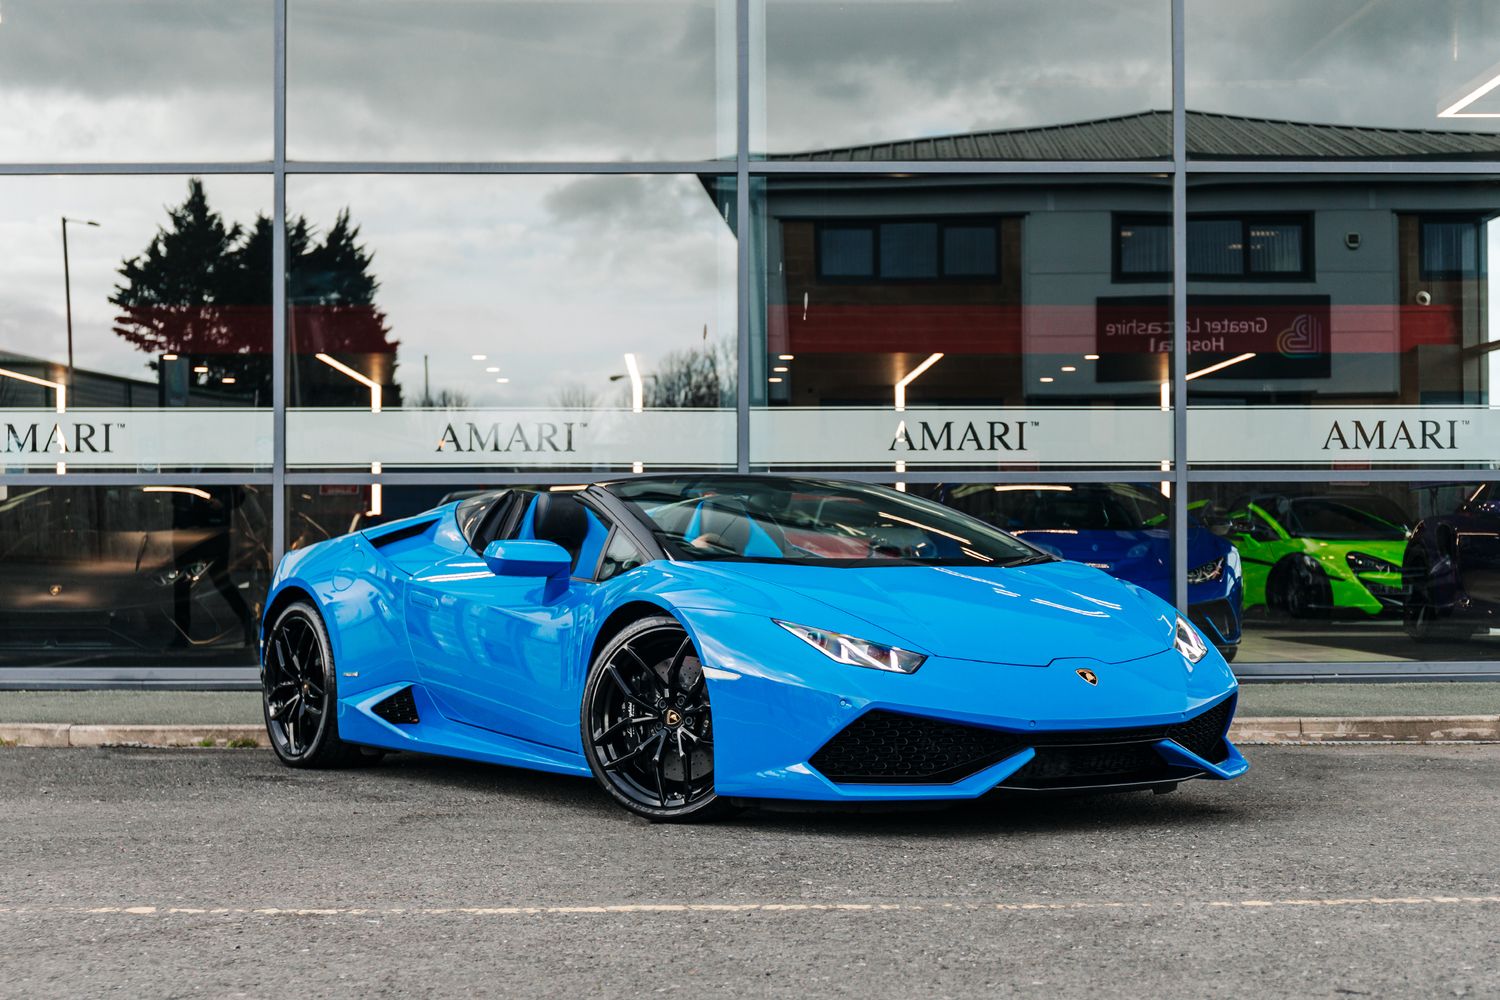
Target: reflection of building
column 176, row 385
column 1303, row 288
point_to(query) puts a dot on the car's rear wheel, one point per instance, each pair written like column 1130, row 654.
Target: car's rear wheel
column 299, row 695
column 647, row 729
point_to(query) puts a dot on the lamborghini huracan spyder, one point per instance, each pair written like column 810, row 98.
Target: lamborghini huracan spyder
column 697, row 641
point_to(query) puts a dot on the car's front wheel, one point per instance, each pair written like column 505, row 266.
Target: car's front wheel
column 1303, row 588
column 647, row 730
column 298, row 695
column 1419, row 612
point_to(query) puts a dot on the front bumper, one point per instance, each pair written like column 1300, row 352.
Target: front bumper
column 780, row 711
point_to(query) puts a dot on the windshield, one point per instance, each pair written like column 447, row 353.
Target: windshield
column 1347, row 518
column 804, row 520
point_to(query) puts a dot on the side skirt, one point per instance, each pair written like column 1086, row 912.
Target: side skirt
column 440, row 736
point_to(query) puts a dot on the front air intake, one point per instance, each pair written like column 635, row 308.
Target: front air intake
column 883, row 747
column 889, row 748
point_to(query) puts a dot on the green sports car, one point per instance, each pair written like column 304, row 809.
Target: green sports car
column 1313, row 556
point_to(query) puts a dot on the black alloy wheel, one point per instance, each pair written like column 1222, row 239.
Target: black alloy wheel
column 1419, row 615
column 647, row 730
column 1305, row 592
column 298, row 693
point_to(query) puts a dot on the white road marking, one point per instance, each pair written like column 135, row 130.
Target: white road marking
column 766, row 907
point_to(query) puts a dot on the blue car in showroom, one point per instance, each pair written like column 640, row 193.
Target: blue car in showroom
column 697, row 642
column 1122, row 529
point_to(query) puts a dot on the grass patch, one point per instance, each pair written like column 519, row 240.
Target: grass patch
column 207, row 741
column 243, row 743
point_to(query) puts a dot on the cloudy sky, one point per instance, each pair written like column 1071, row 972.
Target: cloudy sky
column 652, row 79
column 553, row 278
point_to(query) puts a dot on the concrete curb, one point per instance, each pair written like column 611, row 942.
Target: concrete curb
column 1369, row 729
column 30, row 734
column 1291, row 729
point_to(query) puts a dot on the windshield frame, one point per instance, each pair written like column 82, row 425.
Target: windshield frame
column 951, row 521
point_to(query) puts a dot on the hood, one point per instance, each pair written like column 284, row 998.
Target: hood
column 1028, row 615
column 1130, row 555
column 1142, row 556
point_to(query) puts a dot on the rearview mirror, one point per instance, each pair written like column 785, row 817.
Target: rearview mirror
column 528, row 558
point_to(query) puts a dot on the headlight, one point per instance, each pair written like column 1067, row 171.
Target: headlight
column 1206, row 573
column 192, row 573
column 1188, row 642
column 1361, row 563
column 856, row 652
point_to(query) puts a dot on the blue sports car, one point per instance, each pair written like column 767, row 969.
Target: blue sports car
column 699, row 642
column 1123, row 530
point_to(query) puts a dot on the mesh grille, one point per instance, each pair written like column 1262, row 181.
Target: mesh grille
column 886, row 747
column 1214, row 617
column 1204, row 733
column 399, row 709
column 889, row 748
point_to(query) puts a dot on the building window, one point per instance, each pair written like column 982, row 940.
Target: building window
column 1450, row 250
column 847, row 252
column 1220, row 248
column 909, row 250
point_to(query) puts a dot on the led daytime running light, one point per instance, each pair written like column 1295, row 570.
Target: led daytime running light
column 856, row 652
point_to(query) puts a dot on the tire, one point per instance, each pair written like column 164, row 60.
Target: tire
column 1419, row 615
column 299, row 697
column 1302, row 588
column 646, row 726
column 1229, row 653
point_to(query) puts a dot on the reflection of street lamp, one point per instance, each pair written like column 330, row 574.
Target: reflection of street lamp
column 62, row 400
column 637, row 387
column 900, row 387
column 637, row 396
column 68, row 285
column 376, row 498
column 363, row 380
column 1219, row 367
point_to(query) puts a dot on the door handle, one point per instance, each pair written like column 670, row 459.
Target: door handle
column 424, row 599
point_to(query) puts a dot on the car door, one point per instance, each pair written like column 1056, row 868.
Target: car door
column 496, row 651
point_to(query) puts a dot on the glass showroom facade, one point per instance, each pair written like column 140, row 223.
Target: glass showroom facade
column 1195, row 291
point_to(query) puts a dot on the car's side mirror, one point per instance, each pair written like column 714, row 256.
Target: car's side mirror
column 526, row 557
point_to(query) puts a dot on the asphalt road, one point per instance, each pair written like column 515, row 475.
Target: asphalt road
column 1325, row 873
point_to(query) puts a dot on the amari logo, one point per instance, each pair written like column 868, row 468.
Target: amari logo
column 1393, row 435
column 956, row 435
column 544, row 435
column 76, row 437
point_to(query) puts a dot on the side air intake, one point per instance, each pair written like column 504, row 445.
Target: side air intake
column 400, row 709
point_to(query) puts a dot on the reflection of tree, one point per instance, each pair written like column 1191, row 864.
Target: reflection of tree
column 697, row 376
column 179, row 295
column 576, row 396
column 449, row 399
column 202, row 289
